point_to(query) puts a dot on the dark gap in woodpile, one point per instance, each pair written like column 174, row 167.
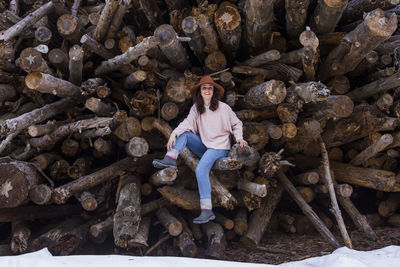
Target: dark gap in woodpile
column 90, row 92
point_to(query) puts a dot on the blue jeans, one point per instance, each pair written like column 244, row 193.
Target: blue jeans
column 207, row 158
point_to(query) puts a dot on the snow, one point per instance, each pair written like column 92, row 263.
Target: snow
column 342, row 257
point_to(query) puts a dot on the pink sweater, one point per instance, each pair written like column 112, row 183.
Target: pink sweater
column 214, row 127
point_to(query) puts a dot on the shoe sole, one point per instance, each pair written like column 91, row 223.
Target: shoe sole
column 201, row 222
column 162, row 166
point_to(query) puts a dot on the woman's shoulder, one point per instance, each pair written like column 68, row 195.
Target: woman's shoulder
column 224, row 106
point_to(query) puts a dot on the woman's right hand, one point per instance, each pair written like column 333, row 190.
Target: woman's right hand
column 171, row 141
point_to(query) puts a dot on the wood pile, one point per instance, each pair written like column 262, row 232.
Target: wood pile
column 91, row 90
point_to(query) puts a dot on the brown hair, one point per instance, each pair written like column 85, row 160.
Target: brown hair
column 199, row 102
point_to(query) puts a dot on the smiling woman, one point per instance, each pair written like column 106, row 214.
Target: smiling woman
column 206, row 131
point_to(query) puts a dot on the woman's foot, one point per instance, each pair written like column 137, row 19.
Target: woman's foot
column 205, row 217
column 166, row 162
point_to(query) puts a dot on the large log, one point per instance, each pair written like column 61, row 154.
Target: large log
column 326, row 15
column 258, row 22
column 45, row 83
column 260, row 218
column 216, row 240
column 227, row 21
column 128, row 213
column 376, row 28
column 15, row 182
column 266, row 94
column 366, row 177
column 296, row 15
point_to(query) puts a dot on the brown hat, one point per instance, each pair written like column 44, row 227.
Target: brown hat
column 207, row 80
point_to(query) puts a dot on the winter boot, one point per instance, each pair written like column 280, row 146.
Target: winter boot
column 206, row 214
column 169, row 160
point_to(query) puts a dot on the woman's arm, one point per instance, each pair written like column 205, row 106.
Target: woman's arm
column 188, row 124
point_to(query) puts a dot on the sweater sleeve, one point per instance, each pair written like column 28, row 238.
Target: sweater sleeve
column 189, row 123
column 236, row 124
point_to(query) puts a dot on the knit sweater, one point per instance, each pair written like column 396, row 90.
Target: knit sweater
column 214, row 127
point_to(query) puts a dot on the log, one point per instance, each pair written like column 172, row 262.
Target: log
column 75, row 64
column 258, row 21
column 355, row 9
column 208, row 33
column 358, row 219
column 215, row 61
column 134, row 78
column 141, row 237
column 105, row 19
column 87, row 200
column 216, row 240
column 326, row 15
column 260, row 218
column 29, row 20
column 99, row 230
column 41, row 129
column 131, row 54
column 191, row 29
column 355, row 45
column 266, row 94
column 46, row 83
column 253, row 188
column 117, row 18
column 394, row 220
column 306, row 178
column 169, row 111
column 40, row 194
column 186, row 241
column 58, row 170
column 20, row 234
column 256, row 134
column 99, row 108
column 59, row 59
column 17, row 179
column 128, row 129
column 388, row 207
column 240, row 221
column 296, row 15
column 310, row 55
column 378, row 146
column 183, row 198
column 137, row 147
column 128, row 213
column 263, row 58
column 164, row 176
column 371, row 178
column 70, row 28
column 256, row 115
column 339, row 84
column 307, row 210
column 171, row 47
column 63, row 192
column 95, row 46
column 48, row 141
column 335, row 107
column 227, row 21
column 171, row 224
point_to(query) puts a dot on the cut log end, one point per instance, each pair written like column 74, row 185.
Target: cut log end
column 67, row 24
column 33, row 80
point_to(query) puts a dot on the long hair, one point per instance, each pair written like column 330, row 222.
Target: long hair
column 199, row 102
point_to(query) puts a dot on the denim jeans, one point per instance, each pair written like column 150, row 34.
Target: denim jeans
column 207, row 158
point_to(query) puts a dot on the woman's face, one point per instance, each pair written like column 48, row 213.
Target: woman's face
column 207, row 91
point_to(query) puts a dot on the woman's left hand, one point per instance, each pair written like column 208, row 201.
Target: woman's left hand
column 242, row 143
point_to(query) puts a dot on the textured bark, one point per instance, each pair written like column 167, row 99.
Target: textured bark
column 105, row 19
column 376, row 28
column 171, row 224
column 62, row 193
column 128, row 213
column 296, row 15
column 164, row 176
column 191, row 29
column 327, row 14
column 186, row 241
column 258, row 20
column 17, row 179
column 46, row 83
column 266, row 94
column 141, row 237
column 29, row 20
column 376, row 179
column 260, row 218
column 263, row 58
column 76, row 64
column 131, row 54
column 216, row 240
column 306, row 178
column 171, row 46
column 19, row 237
column 70, row 28
column 98, row 107
column 378, row 146
column 227, row 21
column 40, row 194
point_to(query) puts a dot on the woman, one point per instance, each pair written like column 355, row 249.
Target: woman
column 214, row 121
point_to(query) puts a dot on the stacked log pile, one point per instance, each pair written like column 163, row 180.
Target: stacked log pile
column 91, row 90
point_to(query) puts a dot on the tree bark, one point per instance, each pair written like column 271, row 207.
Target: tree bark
column 326, row 15
column 171, row 224
column 216, row 240
column 376, row 28
column 296, row 15
column 46, row 83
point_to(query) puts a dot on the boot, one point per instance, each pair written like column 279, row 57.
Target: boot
column 166, row 162
column 205, row 217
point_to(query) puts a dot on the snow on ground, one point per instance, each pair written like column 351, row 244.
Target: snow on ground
column 342, row 257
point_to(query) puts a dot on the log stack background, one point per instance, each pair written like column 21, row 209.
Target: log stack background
column 90, row 91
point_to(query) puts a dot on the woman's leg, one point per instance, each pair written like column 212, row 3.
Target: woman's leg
column 186, row 139
column 203, row 180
